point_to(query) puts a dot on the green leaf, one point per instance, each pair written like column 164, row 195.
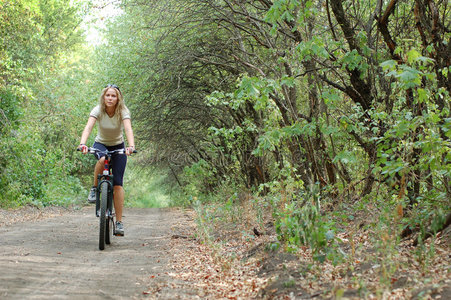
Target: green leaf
column 410, row 77
column 388, row 65
column 345, row 157
column 330, row 235
column 412, row 56
column 288, row 81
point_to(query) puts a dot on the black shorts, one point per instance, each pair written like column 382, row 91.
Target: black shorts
column 119, row 161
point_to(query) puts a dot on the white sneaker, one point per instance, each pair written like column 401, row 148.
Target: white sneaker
column 92, row 195
column 119, row 229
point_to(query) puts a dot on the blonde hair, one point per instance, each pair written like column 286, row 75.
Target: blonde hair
column 120, row 105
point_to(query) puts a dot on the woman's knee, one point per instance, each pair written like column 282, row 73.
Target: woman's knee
column 101, row 161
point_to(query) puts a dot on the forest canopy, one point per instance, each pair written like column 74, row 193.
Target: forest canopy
column 340, row 94
column 347, row 101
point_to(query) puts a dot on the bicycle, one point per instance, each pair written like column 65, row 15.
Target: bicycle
column 104, row 197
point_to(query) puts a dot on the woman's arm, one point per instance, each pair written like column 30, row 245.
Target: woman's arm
column 87, row 131
column 129, row 134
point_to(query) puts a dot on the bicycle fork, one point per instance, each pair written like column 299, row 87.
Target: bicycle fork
column 109, row 180
column 101, row 178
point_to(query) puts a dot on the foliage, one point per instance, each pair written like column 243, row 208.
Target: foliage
column 351, row 98
column 296, row 226
column 39, row 77
column 272, row 96
column 145, row 187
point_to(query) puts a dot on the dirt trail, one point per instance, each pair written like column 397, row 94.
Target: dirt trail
column 58, row 257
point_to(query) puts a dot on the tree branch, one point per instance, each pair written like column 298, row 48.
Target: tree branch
column 382, row 24
column 249, row 65
column 330, row 21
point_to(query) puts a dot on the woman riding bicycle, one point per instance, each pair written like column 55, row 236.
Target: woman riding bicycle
column 113, row 117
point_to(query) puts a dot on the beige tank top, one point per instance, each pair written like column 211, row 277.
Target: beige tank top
column 110, row 129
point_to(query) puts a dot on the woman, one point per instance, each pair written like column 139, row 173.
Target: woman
column 113, row 117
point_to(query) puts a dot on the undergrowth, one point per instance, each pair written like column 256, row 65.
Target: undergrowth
column 145, row 187
column 353, row 241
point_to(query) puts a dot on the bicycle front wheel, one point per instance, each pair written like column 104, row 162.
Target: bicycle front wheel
column 103, row 207
column 109, row 226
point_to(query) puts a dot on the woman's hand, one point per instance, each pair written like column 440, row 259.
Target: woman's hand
column 83, row 148
column 129, row 150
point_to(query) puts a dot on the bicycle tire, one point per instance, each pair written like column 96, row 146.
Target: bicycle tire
column 109, row 227
column 103, row 207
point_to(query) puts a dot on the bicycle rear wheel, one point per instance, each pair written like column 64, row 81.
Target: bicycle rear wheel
column 103, row 217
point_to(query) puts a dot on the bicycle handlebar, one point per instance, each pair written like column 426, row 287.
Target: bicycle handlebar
column 95, row 150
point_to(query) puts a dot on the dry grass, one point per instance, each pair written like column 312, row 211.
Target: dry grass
column 232, row 262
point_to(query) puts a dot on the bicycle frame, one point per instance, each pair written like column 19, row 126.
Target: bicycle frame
column 106, row 176
column 105, row 197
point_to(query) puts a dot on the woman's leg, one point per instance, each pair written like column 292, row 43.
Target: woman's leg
column 98, row 169
column 119, row 163
column 118, row 202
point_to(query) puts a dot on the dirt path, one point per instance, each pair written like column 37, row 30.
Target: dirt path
column 58, row 257
column 53, row 254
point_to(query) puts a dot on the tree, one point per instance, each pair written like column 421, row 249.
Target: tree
column 35, row 38
column 339, row 94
